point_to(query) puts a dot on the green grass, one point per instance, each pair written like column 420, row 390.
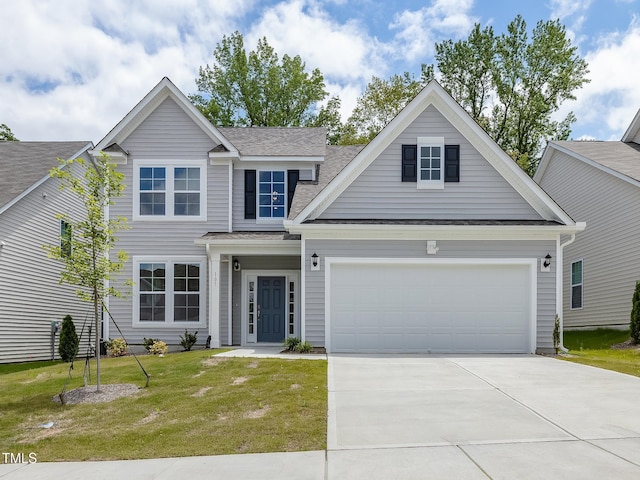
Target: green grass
column 601, row 338
column 19, row 367
column 195, row 405
column 593, row 347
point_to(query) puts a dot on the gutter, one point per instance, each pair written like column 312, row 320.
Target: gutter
column 559, row 286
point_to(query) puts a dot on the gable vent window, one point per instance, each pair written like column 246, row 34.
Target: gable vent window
column 430, row 163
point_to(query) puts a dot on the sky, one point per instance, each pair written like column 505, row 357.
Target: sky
column 72, row 69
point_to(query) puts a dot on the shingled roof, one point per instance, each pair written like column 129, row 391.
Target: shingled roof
column 622, row 157
column 22, row 164
column 277, row 141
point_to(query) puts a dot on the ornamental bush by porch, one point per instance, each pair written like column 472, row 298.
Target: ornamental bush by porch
column 68, row 347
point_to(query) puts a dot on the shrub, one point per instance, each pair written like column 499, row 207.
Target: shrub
column 290, row 343
column 303, row 347
column 189, row 340
column 635, row 315
column 158, row 347
column 116, row 347
column 68, row 347
column 147, row 342
column 556, row 334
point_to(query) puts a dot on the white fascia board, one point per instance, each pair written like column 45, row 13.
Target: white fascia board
column 632, row 131
column 433, row 232
column 163, row 90
column 251, row 247
column 84, row 150
column 586, row 160
column 118, row 158
column 281, row 158
column 225, row 159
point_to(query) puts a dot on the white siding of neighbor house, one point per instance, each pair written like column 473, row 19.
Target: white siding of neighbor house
column 609, row 245
column 168, row 133
column 31, row 296
column 379, row 193
column 315, row 281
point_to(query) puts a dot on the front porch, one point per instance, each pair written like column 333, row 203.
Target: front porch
column 254, row 288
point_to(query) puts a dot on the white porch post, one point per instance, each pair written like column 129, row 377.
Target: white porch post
column 214, row 297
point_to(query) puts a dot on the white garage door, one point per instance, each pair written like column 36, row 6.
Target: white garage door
column 430, row 308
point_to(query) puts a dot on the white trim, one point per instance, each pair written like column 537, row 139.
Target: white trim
column 230, row 301
column 252, row 247
column 430, row 142
column 303, row 290
column 169, row 293
column 548, row 156
column 434, row 94
column 163, row 90
column 169, row 166
column 271, row 220
column 26, row 192
column 230, row 196
column 433, row 232
column 531, row 263
column 633, row 128
column 581, row 284
column 560, row 284
column 289, row 275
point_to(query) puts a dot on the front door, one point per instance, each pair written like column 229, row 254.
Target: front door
column 271, row 300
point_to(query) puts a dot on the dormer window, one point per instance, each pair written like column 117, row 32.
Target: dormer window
column 431, row 162
column 272, row 194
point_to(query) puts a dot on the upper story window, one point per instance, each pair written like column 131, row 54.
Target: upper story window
column 272, row 194
column 169, row 192
column 430, row 162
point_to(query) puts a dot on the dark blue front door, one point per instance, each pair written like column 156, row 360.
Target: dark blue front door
column 271, row 297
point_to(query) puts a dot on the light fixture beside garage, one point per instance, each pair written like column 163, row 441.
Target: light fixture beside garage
column 315, row 262
column 432, row 247
column 545, row 263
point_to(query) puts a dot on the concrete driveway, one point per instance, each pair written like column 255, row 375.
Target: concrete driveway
column 479, row 417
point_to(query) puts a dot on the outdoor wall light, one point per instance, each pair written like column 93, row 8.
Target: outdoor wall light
column 315, row 262
column 236, row 265
column 547, row 261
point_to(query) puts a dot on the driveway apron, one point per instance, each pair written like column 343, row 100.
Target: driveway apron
column 506, row 416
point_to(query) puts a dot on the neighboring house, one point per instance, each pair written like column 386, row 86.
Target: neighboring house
column 428, row 239
column 31, row 296
column 598, row 182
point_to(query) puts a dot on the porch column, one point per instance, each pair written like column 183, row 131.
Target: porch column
column 214, row 297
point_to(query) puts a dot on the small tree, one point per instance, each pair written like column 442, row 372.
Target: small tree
column 556, row 334
column 88, row 263
column 635, row 314
column 68, row 347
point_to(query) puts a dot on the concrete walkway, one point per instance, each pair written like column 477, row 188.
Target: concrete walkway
column 416, row 417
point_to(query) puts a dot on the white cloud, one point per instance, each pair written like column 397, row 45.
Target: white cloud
column 612, row 98
column 419, row 29
column 96, row 60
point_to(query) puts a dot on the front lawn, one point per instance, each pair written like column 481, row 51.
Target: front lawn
column 196, row 404
column 594, row 347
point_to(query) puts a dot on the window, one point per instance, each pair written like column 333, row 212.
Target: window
column 271, row 194
column 170, row 292
column 576, row 285
column 430, row 162
column 65, row 238
column 169, row 192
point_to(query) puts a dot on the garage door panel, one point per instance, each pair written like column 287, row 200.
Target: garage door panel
column 434, row 308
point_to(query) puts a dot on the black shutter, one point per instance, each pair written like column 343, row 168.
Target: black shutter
column 250, row 194
column 409, row 163
column 452, row 163
column 292, row 179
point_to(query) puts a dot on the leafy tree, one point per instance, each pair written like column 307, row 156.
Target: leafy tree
column 6, row 133
column 258, row 88
column 68, row 347
column 635, row 314
column 381, row 101
column 88, row 264
column 512, row 84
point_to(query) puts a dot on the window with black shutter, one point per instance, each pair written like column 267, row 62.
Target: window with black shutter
column 409, row 163
column 452, row 163
column 250, row 194
column 292, row 179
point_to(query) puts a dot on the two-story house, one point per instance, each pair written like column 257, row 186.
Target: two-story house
column 428, row 239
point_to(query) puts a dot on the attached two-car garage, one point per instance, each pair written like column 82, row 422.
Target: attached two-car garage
column 395, row 306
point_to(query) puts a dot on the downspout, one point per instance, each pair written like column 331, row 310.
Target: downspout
column 560, row 288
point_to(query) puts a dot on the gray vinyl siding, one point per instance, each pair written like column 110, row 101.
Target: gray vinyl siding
column 30, row 294
column 315, row 281
column 379, row 193
column 168, row 133
column 254, row 263
column 609, row 245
